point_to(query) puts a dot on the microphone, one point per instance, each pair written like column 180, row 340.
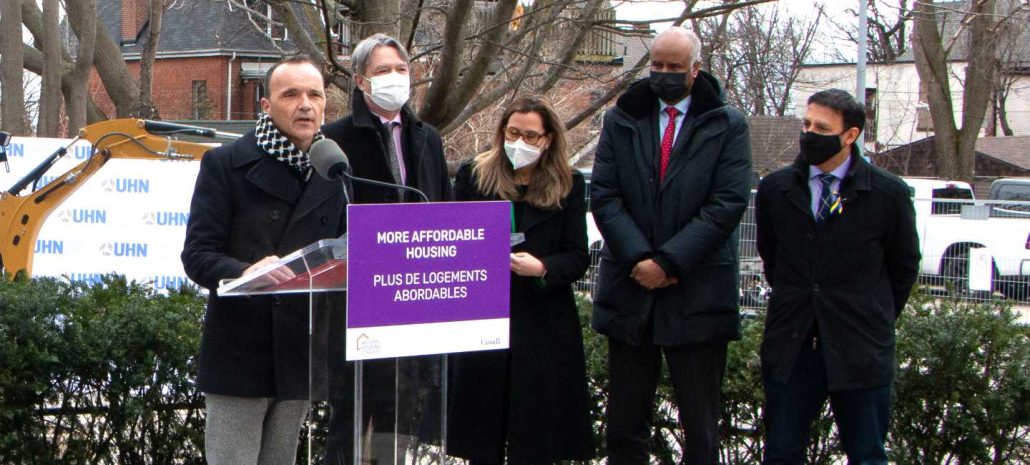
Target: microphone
column 331, row 163
column 328, row 159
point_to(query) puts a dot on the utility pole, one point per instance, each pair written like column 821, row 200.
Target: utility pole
column 863, row 25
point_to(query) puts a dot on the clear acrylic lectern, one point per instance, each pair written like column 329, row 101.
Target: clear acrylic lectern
column 394, row 409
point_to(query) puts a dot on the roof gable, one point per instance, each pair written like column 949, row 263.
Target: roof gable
column 194, row 26
column 1013, row 150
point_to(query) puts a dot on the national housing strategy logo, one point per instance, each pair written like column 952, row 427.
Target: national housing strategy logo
column 368, row 345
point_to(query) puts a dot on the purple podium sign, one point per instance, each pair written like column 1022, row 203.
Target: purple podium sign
column 427, row 278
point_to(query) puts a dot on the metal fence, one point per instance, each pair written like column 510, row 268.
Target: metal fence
column 975, row 250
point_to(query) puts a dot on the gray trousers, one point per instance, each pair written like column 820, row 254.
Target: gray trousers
column 252, row 430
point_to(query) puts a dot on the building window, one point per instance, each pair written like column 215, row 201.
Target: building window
column 342, row 44
column 199, row 103
column 277, row 30
column 870, row 115
column 259, row 93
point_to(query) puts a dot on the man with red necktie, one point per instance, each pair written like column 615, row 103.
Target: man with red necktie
column 671, row 181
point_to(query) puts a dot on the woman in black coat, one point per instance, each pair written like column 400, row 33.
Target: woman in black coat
column 530, row 400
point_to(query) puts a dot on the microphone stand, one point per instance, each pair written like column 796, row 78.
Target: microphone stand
column 359, row 365
column 373, row 182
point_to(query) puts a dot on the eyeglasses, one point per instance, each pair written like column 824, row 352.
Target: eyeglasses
column 513, row 134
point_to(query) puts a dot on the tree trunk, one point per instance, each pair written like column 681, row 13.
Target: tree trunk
column 34, row 64
column 379, row 16
column 121, row 87
column 435, row 104
column 1003, row 116
column 932, row 68
column 50, row 98
column 979, row 82
column 447, row 97
column 956, row 146
column 76, row 101
column 145, row 107
column 12, row 100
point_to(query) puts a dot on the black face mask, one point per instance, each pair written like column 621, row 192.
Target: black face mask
column 817, row 148
column 670, row 87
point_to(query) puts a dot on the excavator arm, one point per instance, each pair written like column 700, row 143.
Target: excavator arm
column 22, row 215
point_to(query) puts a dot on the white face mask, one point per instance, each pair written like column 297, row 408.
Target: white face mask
column 520, row 153
column 390, row 91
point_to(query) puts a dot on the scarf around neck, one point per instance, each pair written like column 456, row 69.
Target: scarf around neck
column 274, row 143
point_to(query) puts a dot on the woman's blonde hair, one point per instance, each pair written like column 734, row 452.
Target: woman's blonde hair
column 552, row 180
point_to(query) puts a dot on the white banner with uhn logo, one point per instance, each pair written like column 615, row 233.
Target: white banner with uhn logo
column 129, row 218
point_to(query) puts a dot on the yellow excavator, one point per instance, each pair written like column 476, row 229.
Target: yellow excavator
column 22, row 215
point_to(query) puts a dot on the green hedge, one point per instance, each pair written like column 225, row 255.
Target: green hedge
column 104, row 373
column 962, row 394
column 98, row 374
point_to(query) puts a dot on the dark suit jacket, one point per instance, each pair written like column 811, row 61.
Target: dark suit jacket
column 544, row 372
column 246, row 206
column 688, row 224
column 852, row 275
column 360, row 137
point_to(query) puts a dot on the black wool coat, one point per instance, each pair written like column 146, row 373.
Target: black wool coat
column 687, row 224
column 246, row 206
column 360, row 137
column 851, row 275
column 543, row 372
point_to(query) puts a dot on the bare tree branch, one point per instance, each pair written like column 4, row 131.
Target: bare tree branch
column 304, row 42
column 571, row 47
column 435, row 103
column 34, row 64
column 121, row 87
column 145, row 108
column 328, row 19
column 414, row 25
column 711, row 11
column 481, row 61
column 613, row 92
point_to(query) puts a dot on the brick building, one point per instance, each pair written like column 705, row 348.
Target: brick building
column 210, row 58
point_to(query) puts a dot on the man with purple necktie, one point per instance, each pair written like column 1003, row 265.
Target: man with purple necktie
column 839, row 245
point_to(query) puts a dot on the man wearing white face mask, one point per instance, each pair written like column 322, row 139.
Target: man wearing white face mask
column 382, row 137
column 385, row 141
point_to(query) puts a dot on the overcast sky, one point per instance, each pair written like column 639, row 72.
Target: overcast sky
column 835, row 9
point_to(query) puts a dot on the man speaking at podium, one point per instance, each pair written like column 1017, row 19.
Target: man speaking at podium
column 255, row 200
column 386, row 142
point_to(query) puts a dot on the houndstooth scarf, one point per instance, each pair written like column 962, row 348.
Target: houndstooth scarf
column 274, row 143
